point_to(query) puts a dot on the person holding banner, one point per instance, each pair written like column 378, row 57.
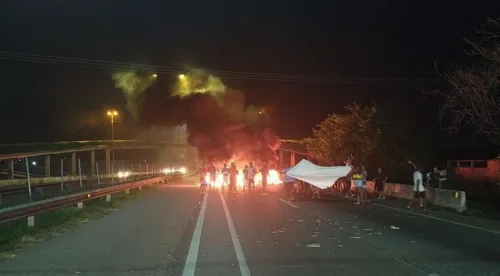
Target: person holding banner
column 357, row 178
column 289, row 183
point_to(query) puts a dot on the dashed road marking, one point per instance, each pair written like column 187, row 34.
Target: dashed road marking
column 289, row 203
column 240, row 256
column 192, row 256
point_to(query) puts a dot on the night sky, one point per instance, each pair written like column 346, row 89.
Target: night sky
column 355, row 39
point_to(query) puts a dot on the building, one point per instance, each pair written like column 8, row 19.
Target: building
column 476, row 170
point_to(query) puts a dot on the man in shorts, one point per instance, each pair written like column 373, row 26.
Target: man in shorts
column 418, row 189
column 225, row 176
column 357, row 178
column 245, row 179
column 251, row 172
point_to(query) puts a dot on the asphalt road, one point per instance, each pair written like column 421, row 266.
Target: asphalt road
column 177, row 231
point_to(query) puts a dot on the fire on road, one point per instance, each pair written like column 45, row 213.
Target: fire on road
column 273, row 178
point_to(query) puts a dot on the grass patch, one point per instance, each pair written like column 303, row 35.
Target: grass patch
column 16, row 236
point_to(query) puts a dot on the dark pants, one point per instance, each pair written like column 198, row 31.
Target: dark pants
column 251, row 183
column 347, row 183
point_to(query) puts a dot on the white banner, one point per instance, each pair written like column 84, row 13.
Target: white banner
column 321, row 177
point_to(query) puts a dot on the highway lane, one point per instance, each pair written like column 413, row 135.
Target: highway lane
column 145, row 237
column 255, row 234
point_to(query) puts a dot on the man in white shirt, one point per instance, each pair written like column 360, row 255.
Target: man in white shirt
column 225, row 176
column 251, row 171
column 418, row 189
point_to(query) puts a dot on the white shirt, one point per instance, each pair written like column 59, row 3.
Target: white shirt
column 251, row 172
column 418, row 184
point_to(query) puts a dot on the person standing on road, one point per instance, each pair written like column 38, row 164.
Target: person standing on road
column 357, row 178
column 245, row 179
column 225, row 176
column 348, row 183
column 435, row 178
column 364, row 174
column 203, row 181
column 252, row 171
column 264, row 171
column 418, row 188
column 288, row 183
column 233, row 175
column 380, row 180
column 211, row 171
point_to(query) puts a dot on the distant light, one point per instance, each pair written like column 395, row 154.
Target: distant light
column 34, row 163
column 183, row 170
column 154, row 76
column 182, row 77
column 112, row 113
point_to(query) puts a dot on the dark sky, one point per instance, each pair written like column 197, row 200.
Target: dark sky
column 359, row 39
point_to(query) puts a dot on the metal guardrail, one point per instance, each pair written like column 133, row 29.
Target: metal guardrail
column 13, row 184
column 31, row 209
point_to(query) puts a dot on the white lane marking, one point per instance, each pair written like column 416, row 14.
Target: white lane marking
column 402, row 261
column 289, row 203
column 436, row 218
column 441, row 219
column 240, row 256
column 192, row 256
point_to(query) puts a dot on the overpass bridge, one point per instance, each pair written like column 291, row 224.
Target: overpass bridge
column 11, row 152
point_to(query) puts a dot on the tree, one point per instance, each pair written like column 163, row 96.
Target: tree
column 357, row 132
column 473, row 96
column 386, row 136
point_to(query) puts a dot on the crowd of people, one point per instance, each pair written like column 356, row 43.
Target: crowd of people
column 356, row 179
column 208, row 177
column 355, row 184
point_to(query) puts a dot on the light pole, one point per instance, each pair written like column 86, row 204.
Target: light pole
column 112, row 114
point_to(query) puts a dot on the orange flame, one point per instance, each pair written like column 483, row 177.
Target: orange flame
column 273, row 178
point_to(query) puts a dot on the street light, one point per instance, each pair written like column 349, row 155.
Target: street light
column 182, row 77
column 112, row 114
column 154, row 76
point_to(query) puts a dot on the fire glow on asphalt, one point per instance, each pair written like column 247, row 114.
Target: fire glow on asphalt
column 273, row 178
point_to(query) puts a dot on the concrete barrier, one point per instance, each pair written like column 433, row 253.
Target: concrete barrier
column 447, row 198
column 456, row 200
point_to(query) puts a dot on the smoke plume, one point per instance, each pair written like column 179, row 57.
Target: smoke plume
column 133, row 86
column 219, row 124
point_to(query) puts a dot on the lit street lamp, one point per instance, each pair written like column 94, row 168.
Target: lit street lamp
column 112, row 114
column 182, row 77
column 154, row 76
